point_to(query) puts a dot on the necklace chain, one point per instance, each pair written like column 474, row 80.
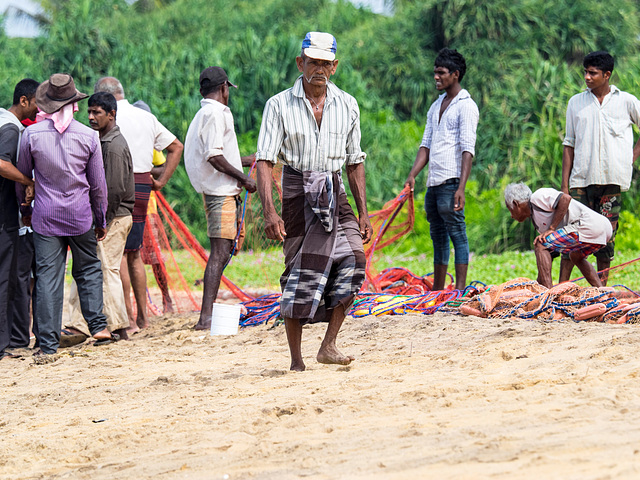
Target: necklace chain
column 317, row 105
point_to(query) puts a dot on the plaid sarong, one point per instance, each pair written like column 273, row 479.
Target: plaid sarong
column 323, row 267
column 563, row 242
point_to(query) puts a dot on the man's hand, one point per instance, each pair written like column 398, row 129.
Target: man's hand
column 29, row 195
column 366, row 230
column 249, row 184
column 458, row 200
column 274, row 227
column 540, row 238
column 411, row 182
column 101, row 232
column 26, row 220
column 156, row 185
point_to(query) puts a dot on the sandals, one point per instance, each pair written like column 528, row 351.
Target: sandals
column 106, row 341
column 69, row 338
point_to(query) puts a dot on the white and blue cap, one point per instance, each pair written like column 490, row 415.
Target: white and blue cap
column 320, row 45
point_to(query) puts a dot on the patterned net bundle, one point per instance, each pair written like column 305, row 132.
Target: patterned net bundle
column 524, row 298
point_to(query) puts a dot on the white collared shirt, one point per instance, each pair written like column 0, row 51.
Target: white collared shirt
column 590, row 225
column 448, row 137
column 602, row 138
column 143, row 133
column 212, row 133
column 290, row 133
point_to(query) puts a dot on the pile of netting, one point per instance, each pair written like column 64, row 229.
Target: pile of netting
column 393, row 291
column 527, row 299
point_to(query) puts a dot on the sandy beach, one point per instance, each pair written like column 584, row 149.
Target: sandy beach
column 439, row 396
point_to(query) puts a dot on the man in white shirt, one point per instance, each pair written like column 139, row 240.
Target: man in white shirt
column 143, row 133
column 598, row 156
column 565, row 226
column 213, row 163
column 448, row 146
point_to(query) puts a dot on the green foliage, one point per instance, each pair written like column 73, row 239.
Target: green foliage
column 523, row 57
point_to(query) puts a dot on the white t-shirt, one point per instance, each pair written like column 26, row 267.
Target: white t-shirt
column 143, row 133
column 212, row 133
column 590, row 225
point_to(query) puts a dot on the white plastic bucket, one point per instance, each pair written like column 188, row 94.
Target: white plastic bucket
column 225, row 319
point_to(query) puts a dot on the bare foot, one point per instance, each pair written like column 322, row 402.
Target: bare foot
column 168, row 307
column 133, row 328
column 102, row 335
column 331, row 355
column 203, row 324
column 298, row 366
column 142, row 323
column 122, row 333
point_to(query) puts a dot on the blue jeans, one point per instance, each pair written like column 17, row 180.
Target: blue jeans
column 445, row 223
column 51, row 259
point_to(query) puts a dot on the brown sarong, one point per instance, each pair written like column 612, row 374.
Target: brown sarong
column 324, row 256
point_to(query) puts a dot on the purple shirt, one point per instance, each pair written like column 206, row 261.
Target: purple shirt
column 69, row 174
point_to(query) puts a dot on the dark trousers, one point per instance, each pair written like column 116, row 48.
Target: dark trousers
column 51, row 259
column 21, row 313
column 8, row 241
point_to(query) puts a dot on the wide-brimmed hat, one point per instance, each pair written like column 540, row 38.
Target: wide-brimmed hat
column 320, row 45
column 58, row 91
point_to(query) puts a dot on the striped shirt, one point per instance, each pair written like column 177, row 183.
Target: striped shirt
column 602, row 138
column 448, row 137
column 289, row 131
column 69, row 173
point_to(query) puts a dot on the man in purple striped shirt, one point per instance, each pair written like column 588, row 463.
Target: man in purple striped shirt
column 71, row 197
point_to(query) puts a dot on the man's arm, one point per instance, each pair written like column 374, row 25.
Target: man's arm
column 465, row 171
column 561, row 210
column 567, row 165
column 636, row 150
column 273, row 224
column 222, row 165
column 174, row 152
column 9, row 137
column 248, row 160
column 25, row 166
column 97, row 189
column 469, row 117
column 358, row 185
column 422, row 158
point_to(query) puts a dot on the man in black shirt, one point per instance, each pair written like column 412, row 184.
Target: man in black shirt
column 24, row 106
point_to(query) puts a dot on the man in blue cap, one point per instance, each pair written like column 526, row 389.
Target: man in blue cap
column 313, row 128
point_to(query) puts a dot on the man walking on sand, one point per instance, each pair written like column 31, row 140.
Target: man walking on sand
column 598, row 156
column 313, row 128
column 214, row 166
column 143, row 133
column 448, row 146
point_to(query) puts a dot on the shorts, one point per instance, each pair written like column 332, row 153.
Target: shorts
column 224, row 216
column 565, row 243
column 136, row 235
column 607, row 201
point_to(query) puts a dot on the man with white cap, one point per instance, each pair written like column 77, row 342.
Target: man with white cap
column 69, row 209
column 313, row 128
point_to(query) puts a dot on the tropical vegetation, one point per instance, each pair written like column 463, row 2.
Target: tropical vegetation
column 524, row 63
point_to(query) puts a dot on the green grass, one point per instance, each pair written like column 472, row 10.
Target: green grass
column 499, row 268
column 263, row 269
